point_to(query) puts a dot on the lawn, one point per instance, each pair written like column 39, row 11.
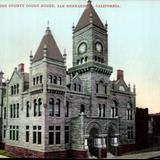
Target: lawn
column 5, row 153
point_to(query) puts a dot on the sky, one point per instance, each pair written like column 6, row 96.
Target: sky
column 133, row 38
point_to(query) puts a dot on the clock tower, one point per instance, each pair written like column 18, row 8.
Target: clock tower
column 90, row 39
column 90, row 50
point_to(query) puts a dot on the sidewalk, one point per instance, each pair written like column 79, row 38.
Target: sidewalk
column 145, row 155
column 3, row 156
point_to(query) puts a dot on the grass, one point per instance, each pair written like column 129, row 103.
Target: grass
column 5, row 153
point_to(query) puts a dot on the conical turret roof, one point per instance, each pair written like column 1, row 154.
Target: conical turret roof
column 52, row 51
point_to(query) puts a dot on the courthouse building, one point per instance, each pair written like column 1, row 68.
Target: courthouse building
column 52, row 112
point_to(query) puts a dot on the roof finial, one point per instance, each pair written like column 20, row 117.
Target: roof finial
column 48, row 31
column 31, row 56
column 73, row 27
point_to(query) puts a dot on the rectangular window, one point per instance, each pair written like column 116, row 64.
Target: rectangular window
column 17, row 133
column 67, row 109
column 4, row 131
column 4, row 112
column 129, row 114
column 11, row 111
column 34, row 134
column 17, row 110
column 130, row 132
column 13, row 132
column 66, row 134
column 51, row 134
column 10, row 133
column 27, row 109
column 39, row 135
column 58, row 135
column 96, row 88
column 104, row 110
column 14, row 111
column 27, row 133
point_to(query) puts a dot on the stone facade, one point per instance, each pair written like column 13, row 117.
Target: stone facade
column 57, row 113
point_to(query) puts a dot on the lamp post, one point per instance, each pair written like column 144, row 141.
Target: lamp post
column 114, row 143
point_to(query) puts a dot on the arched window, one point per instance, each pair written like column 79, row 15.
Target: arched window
column 55, row 80
column 17, row 88
column 67, row 109
column 82, row 60
column 102, row 60
column 99, row 59
column 41, row 79
column 95, row 58
column 129, row 111
column 60, row 81
column 82, row 108
column 86, row 59
column 58, row 106
column 105, row 89
column 14, row 89
column 50, row 79
column 39, row 107
column 97, row 88
column 34, row 81
column 75, row 86
column 78, row 61
column 11, row 90
column 51, row 107
column 114, row 109
column 37, row 78
column 35, row 107
column 79, row 88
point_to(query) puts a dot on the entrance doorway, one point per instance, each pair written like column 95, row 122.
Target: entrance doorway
column 91, row 142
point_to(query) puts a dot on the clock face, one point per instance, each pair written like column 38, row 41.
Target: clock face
column 99, row 47
column 82, row 48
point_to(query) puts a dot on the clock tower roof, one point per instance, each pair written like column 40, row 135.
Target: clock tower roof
column 89, row 16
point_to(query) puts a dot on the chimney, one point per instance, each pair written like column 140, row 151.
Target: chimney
column 1, row 77
column 120, row 74
column 21, row 68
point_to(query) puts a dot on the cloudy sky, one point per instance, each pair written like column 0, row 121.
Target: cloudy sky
column 133, row 28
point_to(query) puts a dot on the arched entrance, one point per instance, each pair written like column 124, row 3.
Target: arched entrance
column 91, row 142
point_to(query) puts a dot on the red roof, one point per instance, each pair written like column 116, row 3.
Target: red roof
column 88, row 15
column 49, row 43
